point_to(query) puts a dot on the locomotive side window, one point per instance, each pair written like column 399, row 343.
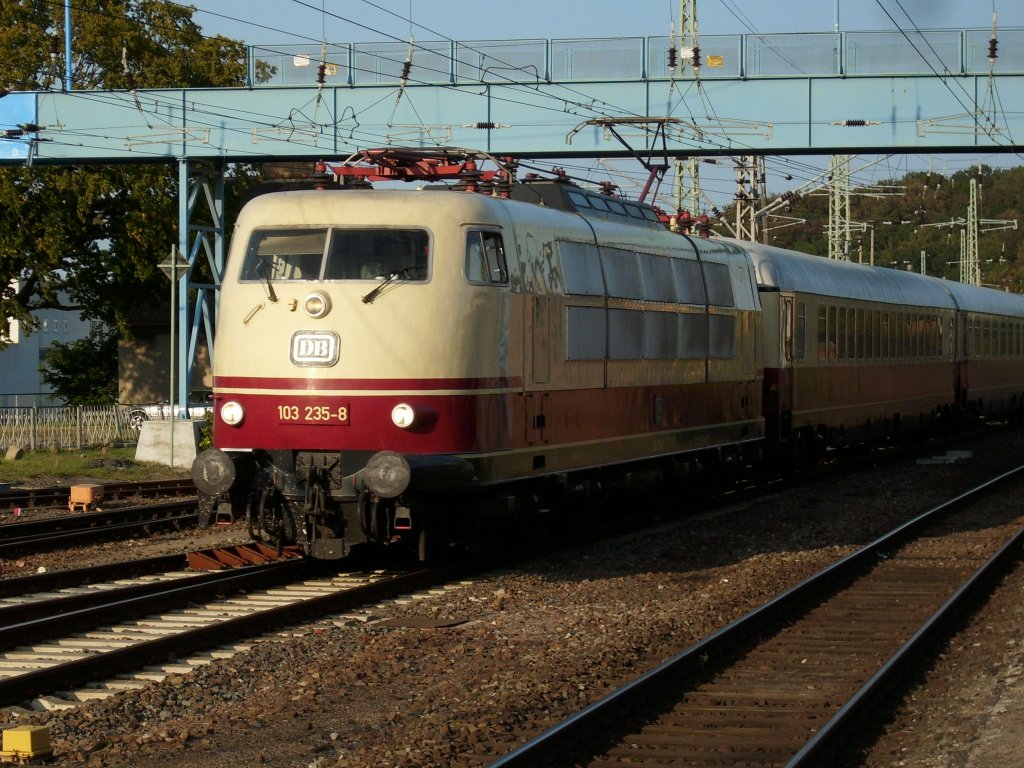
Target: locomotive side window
column 719, row 285
column 625, row 334
column 622, row 273
column 584, row 333
column 284, row 254
column 689, row 283
column 693, row 336
column 581, row 268
column 661, row 332
column 485, row 257
column 721, row 336
column 656, row 273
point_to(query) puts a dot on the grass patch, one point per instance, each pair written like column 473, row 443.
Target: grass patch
column 58, row 467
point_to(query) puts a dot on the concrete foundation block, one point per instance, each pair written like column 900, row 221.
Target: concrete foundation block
column 155, row 442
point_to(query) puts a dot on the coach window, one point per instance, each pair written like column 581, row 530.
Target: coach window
column 801, row 330
column 842, row 331
column 822, row 333
column 832, row 346
column 876, row 334
column 857, row 326
column 485, row 258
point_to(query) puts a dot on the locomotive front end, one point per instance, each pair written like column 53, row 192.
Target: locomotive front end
column 339, row 382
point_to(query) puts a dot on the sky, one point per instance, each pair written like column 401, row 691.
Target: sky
column 261, row 22
column 279, row 22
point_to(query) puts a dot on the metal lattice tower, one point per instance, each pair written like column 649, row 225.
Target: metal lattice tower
column 689, row 51
column 750, row 195
column 688, row 193
column 970, row 269
column 839, row 208
column 970, row 228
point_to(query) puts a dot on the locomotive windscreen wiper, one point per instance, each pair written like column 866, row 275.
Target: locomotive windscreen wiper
column 391, row 276
column 261, row 271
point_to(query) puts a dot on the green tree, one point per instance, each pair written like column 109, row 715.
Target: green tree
column 927, row 218
column 83, row 372
column 87, row 238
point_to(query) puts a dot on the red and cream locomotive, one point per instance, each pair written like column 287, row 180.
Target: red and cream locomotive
column 391, row 360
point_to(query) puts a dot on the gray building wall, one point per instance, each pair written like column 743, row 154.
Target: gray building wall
column 20, row 381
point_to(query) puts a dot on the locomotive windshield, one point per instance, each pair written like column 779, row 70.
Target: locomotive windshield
column 316, row 254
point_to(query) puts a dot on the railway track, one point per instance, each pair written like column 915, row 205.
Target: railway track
column 125, row 638
column 57, row 496
column 49, row 532
column 786, row 684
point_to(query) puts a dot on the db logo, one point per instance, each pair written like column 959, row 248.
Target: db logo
column 319, row 348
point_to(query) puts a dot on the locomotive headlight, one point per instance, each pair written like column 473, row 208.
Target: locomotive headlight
column 316, row 305
column 232, row 413
column 403, row 416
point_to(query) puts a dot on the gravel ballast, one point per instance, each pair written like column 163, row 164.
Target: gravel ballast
column 529, row 646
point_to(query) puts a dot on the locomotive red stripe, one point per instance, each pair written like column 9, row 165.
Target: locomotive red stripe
column 475, row 422
column 319, row 384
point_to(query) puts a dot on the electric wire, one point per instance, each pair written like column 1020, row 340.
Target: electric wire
column 562, row 109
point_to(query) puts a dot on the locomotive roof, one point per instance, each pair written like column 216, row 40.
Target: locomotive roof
column 566, row 196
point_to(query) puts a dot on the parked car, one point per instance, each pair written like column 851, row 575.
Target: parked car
column 199, row 406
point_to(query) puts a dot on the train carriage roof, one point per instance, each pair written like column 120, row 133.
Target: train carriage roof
column 789, row 270
column 972, row 298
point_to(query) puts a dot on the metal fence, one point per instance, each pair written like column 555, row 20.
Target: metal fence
column 66, row 427
column 810, row 54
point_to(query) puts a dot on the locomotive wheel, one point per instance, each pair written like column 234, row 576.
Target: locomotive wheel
column 273, row 523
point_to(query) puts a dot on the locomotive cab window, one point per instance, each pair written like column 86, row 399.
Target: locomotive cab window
column 284, row 254
column 276, row 255
column 485, row 258
column 378, row 254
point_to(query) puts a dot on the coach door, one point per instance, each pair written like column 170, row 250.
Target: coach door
column 779, row 360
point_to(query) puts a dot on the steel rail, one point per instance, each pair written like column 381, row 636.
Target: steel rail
column 559, row 739
column 836, row 729
column 75, row 577
column 58, row 495
column 95, row 525
column 25, row 686
column 15, row 619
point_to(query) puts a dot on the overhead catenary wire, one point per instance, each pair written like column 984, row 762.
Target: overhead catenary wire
column 582, row 104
